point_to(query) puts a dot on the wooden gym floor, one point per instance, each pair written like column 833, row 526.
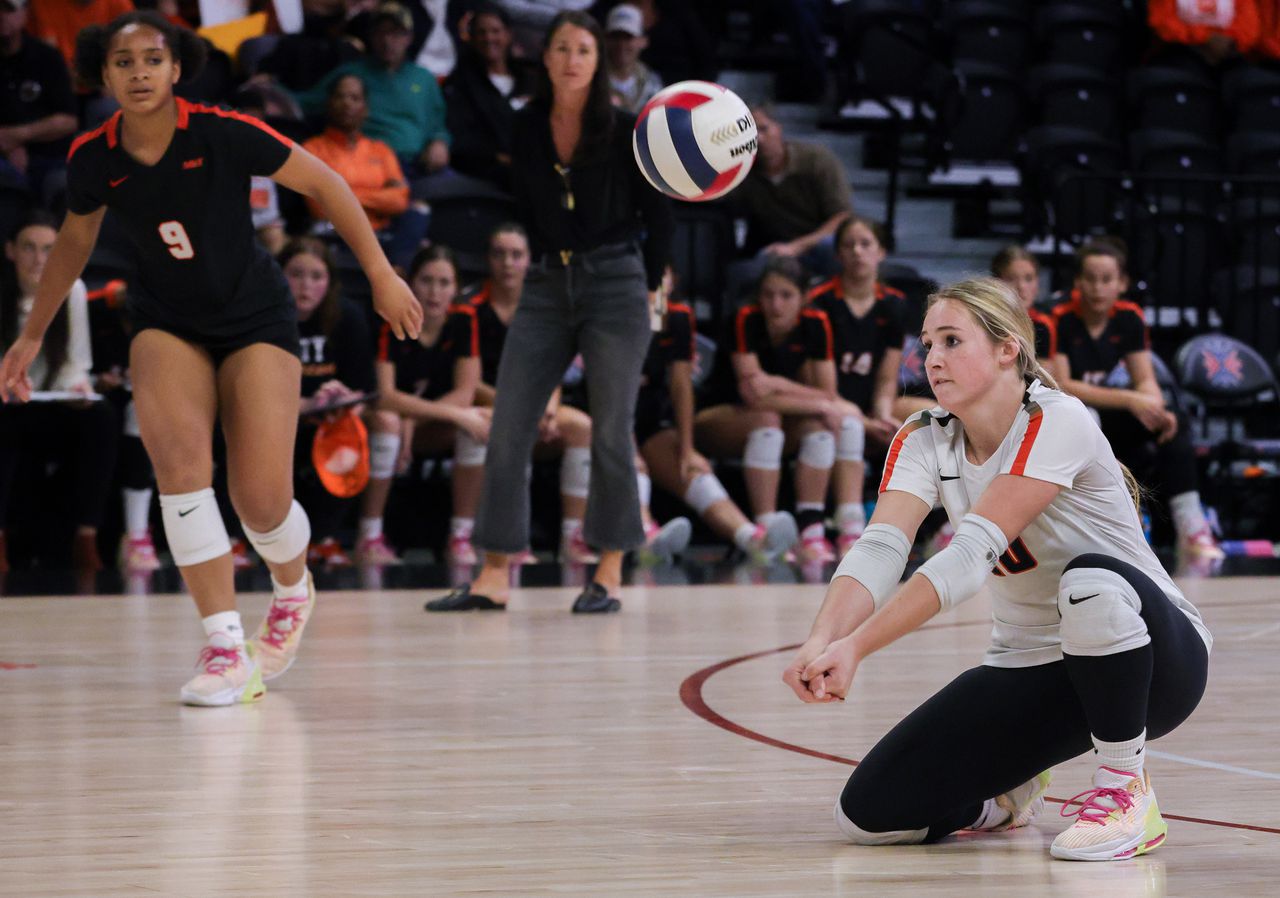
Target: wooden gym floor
column 654, row 752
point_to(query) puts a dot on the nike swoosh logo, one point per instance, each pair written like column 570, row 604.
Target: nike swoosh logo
column 116, row 182
column 949, row 476
column 1074, row 601
column 183, row 514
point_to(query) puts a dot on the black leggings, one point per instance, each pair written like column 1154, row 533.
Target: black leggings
column 994, row 728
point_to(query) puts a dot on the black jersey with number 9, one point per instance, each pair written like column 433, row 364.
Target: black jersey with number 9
column 199, row 267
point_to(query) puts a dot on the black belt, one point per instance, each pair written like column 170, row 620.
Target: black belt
column 567, row 257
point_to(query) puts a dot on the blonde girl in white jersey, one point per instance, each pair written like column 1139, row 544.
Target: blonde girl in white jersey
column 1093, row 646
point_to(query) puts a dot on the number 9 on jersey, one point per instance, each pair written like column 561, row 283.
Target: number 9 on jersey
column 175, row 236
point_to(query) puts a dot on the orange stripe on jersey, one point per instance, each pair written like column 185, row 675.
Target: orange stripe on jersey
column 1124, row 305
column 1050, row 325
column 832, row 286
column 740, row 326
column 108, row 128
column 693, row 327
column 1028, row 439
column 826, row 328
column 896, row 447
column 384, row 343
column 482, row 297
column 475, row 327
column 884, row 290
column 185, row 110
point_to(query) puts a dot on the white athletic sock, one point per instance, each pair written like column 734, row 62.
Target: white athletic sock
column 461, row 527
column 226, row 623
column 137, row 512
column 570, row 526
column 813, row 531
column 297, row 590
column 370, row 528
column 1188, row 513
column 743, row 536
column 645, row 487
column 991, row 816
column 1127, row 756
column 850, row 517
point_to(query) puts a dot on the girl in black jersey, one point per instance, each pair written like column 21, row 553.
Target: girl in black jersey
column 215, row 331
column 777, row 384
column 866, row 325
column 427, row 388
column 1097, row 331
column 337, row 369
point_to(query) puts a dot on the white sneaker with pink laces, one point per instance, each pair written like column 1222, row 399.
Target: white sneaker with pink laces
column 461, row 552
column 138, row 554
column 275, row 645
column 226, row 673
column 574, row 550
column 376, row 551
column 1201, row 546
column 1117, row 819
column 815, row 549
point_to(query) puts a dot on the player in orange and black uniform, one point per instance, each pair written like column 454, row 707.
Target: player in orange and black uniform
column 427, row 390
column 664, row 435
column 1096, row 332
column 866, row 322
column 776, row 387
column 215, row 335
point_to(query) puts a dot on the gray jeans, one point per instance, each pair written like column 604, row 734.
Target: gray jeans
column 597, row 306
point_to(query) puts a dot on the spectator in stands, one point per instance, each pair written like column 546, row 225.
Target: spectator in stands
column 602, row 238
column 1218, row 31
column 866, row 323
column 679, row 46
column 426, row 391
column 406, row 107
column 83, row 432
column 482, row 95
column 563, row 431
column 775, row 392
column 664, row 434
column 57, row 22
column 1097, row 331
column 337, row 367
column 1018, row 268
column 37, row 106
column 632, row 81
column 794, row 199
column 371, row 169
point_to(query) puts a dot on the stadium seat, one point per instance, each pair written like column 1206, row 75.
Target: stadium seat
column 1075, row 97
column 991, row 114
column 1081, row 34
column 1248, row 299
column 994, row 33
column 701, row 251
column 1076, row 206
column 1255, row 227
column 463, row 213
column 1252, row 97
column 1161, row 151
column 1254, row 153
column 1165, row 97
column 1173, row 252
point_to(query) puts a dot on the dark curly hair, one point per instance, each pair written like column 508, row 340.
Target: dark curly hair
column 93, row 42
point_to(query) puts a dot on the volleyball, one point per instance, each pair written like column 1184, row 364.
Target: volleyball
column 695, row 141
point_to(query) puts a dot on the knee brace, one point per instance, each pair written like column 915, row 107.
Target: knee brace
column 384, row 449
column 764, row 449
column 468, row 451
column 818, row 449
column 1100, row 613
column 575, row 472
column 287, row 541
column 704, row 491
column 852, row 441
column 860, row 836
column 193, row 526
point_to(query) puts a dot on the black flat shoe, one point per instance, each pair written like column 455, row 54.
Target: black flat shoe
column 595, row 599
column 463, row 599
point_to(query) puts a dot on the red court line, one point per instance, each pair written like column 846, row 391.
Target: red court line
column 691, row 696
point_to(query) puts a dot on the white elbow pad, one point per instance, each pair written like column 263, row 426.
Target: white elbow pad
column 959, row 570
column 877, row 560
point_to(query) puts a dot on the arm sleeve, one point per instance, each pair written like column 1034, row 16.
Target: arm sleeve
column 466, row 333
column 259, row 148
column 911, row 466
column 1050, row 445
column 84, row 184
column 819, row 343
column 1135, row 337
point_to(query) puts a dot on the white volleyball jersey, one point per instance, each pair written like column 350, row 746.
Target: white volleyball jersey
column 1053, row 438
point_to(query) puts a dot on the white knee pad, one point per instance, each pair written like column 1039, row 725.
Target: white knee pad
column 852, row 442
column 764, row 449
column 384, row 449
column 575, row 472
column 285, row 542
column 704, row 491
column 818, row 449
column 468, row 451
column 193, row 525
column 1100, row 613
column 862, row 837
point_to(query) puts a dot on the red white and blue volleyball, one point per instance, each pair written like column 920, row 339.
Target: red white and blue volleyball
column 695, row 140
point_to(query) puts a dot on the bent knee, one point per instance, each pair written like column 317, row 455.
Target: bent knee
column 756, row 418
column 862, row 828
column 259, row 511
column 384, row 421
